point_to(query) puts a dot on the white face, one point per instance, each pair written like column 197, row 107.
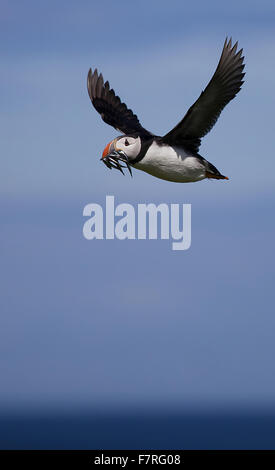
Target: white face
column 130, row 145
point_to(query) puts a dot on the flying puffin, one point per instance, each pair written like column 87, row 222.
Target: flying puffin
column 173, row 157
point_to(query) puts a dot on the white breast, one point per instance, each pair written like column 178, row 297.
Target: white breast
column 172, row 164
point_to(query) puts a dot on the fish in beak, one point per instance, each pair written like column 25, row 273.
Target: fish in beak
column 113, row 157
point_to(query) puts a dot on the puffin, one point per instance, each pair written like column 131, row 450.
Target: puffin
column 174, row 156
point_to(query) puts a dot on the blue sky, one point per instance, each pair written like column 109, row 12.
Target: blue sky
column 109, row 323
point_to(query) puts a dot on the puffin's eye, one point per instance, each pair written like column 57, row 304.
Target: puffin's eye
column 126, row 142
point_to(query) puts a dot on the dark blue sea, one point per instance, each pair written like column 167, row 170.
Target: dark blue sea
column 99, row 430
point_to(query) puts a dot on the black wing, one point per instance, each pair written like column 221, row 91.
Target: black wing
column 222, row 88
column 110, row 107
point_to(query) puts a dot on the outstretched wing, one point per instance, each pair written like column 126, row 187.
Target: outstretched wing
column 222, row 88
column 110, row 107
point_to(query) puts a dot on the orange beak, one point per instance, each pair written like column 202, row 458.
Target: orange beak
column 108, row 149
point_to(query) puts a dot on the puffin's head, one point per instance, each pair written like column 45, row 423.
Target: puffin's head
column 122, row 149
